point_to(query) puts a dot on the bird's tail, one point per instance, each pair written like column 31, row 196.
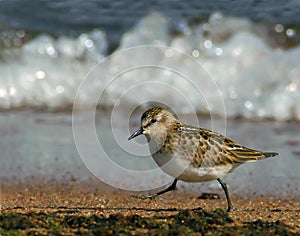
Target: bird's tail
column 270, row 154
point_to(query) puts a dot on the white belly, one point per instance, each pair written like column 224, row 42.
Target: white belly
column 181, row 169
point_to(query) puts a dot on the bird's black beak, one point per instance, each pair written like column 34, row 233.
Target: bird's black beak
column 136, row 133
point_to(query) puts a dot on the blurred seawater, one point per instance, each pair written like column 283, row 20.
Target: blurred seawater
column 256, row 76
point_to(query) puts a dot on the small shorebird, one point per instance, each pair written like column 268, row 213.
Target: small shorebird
column 189, row 153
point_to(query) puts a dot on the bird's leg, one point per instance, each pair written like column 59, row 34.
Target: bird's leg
column 152, row 196
column 224, row 186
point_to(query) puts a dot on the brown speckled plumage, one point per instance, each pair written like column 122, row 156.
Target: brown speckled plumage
column 202, row 147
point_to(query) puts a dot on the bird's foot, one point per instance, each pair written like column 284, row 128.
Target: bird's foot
column 229, row 208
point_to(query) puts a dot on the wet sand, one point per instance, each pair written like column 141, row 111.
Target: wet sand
column 42, row 144
column 92, row 208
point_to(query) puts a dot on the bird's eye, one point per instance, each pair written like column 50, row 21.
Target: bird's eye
column 153, row 121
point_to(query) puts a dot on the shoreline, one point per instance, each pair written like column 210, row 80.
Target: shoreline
column 41, row 146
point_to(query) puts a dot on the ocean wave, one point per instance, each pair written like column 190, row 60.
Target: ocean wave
column 253, row 78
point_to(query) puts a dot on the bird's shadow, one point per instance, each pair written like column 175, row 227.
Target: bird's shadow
column 64, row 209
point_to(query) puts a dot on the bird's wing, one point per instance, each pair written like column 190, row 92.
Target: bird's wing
column 239, row 153
column 209, row 149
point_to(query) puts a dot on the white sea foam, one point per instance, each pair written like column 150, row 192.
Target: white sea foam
column 255, row 79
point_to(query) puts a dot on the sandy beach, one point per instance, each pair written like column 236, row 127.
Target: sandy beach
column 46, row 188
column 95, row 209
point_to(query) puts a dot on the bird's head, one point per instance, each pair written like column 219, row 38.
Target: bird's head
column 154, row 124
